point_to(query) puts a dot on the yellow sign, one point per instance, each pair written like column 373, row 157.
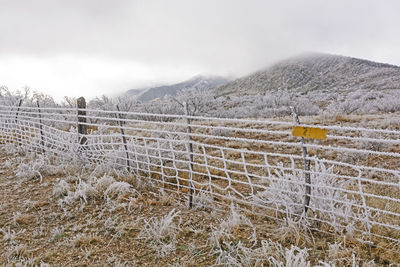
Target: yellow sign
column 309, row 132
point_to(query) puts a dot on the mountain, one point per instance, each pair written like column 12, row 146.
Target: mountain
column 134, row 92
column 197, row 82
column 316, row 72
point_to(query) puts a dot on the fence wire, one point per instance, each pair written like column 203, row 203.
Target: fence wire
column 256, row 165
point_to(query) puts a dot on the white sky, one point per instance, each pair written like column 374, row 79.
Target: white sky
column 94, row 47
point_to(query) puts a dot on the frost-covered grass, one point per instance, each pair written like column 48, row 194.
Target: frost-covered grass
column 121, row 225
column 161, row 233
column 100, row 178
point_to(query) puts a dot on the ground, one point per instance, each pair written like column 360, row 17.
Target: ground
column 72, row 216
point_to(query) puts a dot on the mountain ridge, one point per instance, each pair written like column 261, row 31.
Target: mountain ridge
column 315, row 71
column 198, row 82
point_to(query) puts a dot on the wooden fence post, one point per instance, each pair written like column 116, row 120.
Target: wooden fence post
column 307, row 162
column 16, row 122
column 121, row 129
column 189, row 131
column 40, row 126
column 82, row 126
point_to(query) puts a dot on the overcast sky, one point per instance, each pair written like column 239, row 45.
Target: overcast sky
column 94, row 47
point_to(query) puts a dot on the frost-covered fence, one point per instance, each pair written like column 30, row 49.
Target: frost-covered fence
column 256, row 165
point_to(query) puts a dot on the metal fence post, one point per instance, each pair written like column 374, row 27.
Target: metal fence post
column 190, row 147
column 307, row 162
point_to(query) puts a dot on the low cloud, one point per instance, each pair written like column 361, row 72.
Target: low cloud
column 101, row 45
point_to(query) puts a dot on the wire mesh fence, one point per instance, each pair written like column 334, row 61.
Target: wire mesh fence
column 257, row 165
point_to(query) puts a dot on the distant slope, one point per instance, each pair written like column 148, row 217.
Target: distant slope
column 316, row 72
column 134, row 92
column 197, row 82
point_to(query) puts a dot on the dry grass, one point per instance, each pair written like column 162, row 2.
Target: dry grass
column 114, row 230
column 103, row 223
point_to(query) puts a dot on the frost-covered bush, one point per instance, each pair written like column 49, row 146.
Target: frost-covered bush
column 286, row 193
column 83, row 191
column 74, row 189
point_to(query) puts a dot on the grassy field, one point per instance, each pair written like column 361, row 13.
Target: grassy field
column 74, row 215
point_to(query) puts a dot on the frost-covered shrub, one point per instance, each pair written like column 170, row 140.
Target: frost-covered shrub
column 73, row 189
column 345, row 107
column 83, row 191
column 389, row 103
column 286, row 193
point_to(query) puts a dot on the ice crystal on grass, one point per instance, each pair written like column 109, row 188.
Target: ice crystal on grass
column 118, row 190
column 203, row 200
column 61, row 188
column 83, row 191
column 161, row 233
column 57, row 233
column 339, row 255
column 104, row 182
column 74, row 189
column 268, row 254
column 10, row 235
column 33, row 169
column 224, row 230
column 116, row 262
column 292, row 231
column 17, row 255
column 293, row 257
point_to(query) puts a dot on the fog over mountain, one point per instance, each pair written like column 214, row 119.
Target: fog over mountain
column 94, row 47
column 316, row 71
column 198, row 82
column 303, row 73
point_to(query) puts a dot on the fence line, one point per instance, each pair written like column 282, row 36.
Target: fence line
column 353, row 180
